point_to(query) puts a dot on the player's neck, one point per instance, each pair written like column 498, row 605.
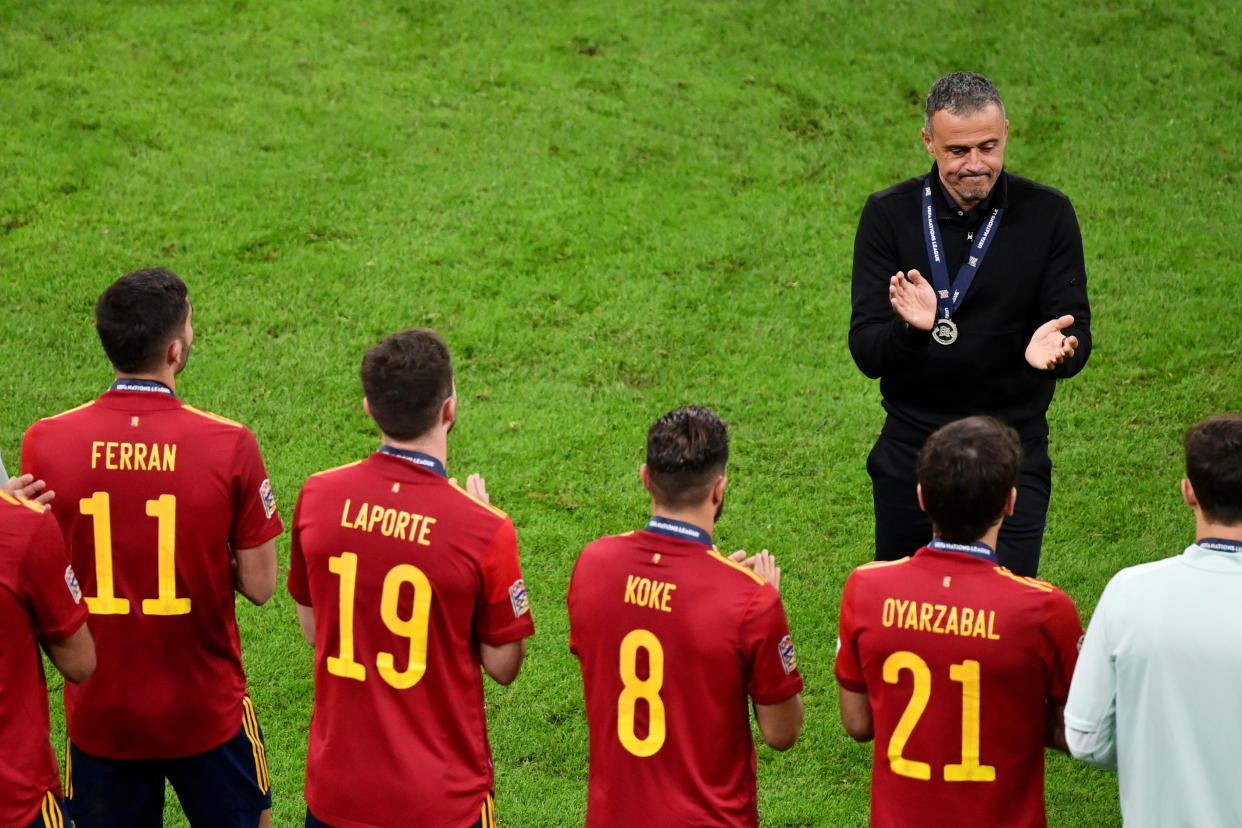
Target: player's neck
column 703, row 516
column 168, row 377
column 1205, row 528
column 434, row 444
column 990, row 536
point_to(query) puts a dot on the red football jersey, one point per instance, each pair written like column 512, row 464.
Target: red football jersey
column 672, row 637
column 39, row 599
column 406, row 574
column 961, row 660
column 152, row 495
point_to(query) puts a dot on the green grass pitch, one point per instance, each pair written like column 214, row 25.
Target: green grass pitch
column 610, row 210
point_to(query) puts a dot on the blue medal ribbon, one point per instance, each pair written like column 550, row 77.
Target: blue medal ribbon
column 678, row 529
column 141, row 385
column 979, row 550
column 417, row 458
column 1220, row 544
column 949, row 296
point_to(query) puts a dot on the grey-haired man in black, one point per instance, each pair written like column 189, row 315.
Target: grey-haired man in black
column 969, row 297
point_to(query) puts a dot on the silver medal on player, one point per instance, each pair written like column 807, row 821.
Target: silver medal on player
column 945, row 331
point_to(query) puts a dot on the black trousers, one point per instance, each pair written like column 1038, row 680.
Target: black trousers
column 901, row 527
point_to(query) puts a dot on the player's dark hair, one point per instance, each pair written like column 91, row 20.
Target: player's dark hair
column 138, row 315
column 1214, row 467
column 966, row 470
column 687, row 450
column 406, row 379
column 961, row 93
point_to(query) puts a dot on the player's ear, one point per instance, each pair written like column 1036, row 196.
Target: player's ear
column 366, row 406
column 1188, row 494
column 718, row 489
column 927, row 142
column 918, row 488
column 448, row 411
column 644, row 476
column 173, row 352
column 1011, row 501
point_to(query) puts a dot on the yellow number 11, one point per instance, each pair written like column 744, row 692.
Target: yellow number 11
column 164, row 509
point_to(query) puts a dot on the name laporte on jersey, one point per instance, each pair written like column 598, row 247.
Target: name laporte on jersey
column 389, row 522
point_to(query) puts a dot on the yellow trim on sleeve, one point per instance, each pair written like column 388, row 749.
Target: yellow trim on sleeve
column 482, row 503
column 200, row 412
column 759, row 579
column 1025, row 581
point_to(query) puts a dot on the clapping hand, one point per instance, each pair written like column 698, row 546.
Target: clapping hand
column 913, row 299
column 1049, row 347
column 763, row 564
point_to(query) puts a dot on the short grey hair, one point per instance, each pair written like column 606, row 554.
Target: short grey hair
column 961, row 93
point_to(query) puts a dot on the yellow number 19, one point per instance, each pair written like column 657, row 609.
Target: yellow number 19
column 414, row 628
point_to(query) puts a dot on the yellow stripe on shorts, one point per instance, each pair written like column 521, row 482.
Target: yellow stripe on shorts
column 68, row 770
column 52, row 817
column 489, row 812
column 251, row 724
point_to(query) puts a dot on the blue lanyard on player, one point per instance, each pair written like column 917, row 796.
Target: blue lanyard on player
column 141, row 385
column 678, row 529
column 1220, row 544
column 979, row 550
column 949, row 296
column 417, row 458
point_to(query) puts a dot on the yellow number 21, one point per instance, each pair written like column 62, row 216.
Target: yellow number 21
column 967, row 674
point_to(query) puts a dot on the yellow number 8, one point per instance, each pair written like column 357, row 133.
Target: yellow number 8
column 647, row 689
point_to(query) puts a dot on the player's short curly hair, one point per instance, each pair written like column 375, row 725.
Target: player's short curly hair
column 687, row 451
column 961, row 93
column 966, row 470
column 406, row 379
column 1214, row 467
column 139, row 315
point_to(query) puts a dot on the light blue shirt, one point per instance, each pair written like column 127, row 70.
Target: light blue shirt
column 4, row 476
column 1157, row 693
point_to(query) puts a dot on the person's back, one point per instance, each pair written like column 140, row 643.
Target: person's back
column 166, row 510
column 673, row 743
column 672, row 639
column 954, row 665
column 152, row 495
column 39, row 599
column 402, row 690
column 960, row 658
column 1156, row 691
column 406, row 585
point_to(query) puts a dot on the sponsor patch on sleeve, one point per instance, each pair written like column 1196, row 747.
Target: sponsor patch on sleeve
column 268, row 497
column 788, row 659
column 517, row 597
column 71, row 581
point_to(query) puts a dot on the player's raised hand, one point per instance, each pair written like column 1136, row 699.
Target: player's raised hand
column 913, row 299
column 763, row 565
column 1049, row 347
column 477, row 486
column 26, row 486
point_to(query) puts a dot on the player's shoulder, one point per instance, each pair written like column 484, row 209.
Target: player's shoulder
column 212, row 417
column 63, row 416
column 333, row 474
column 12, row 502
column 731, row 571
column 1031, row 589
column 466, row 501
column 879, row 571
